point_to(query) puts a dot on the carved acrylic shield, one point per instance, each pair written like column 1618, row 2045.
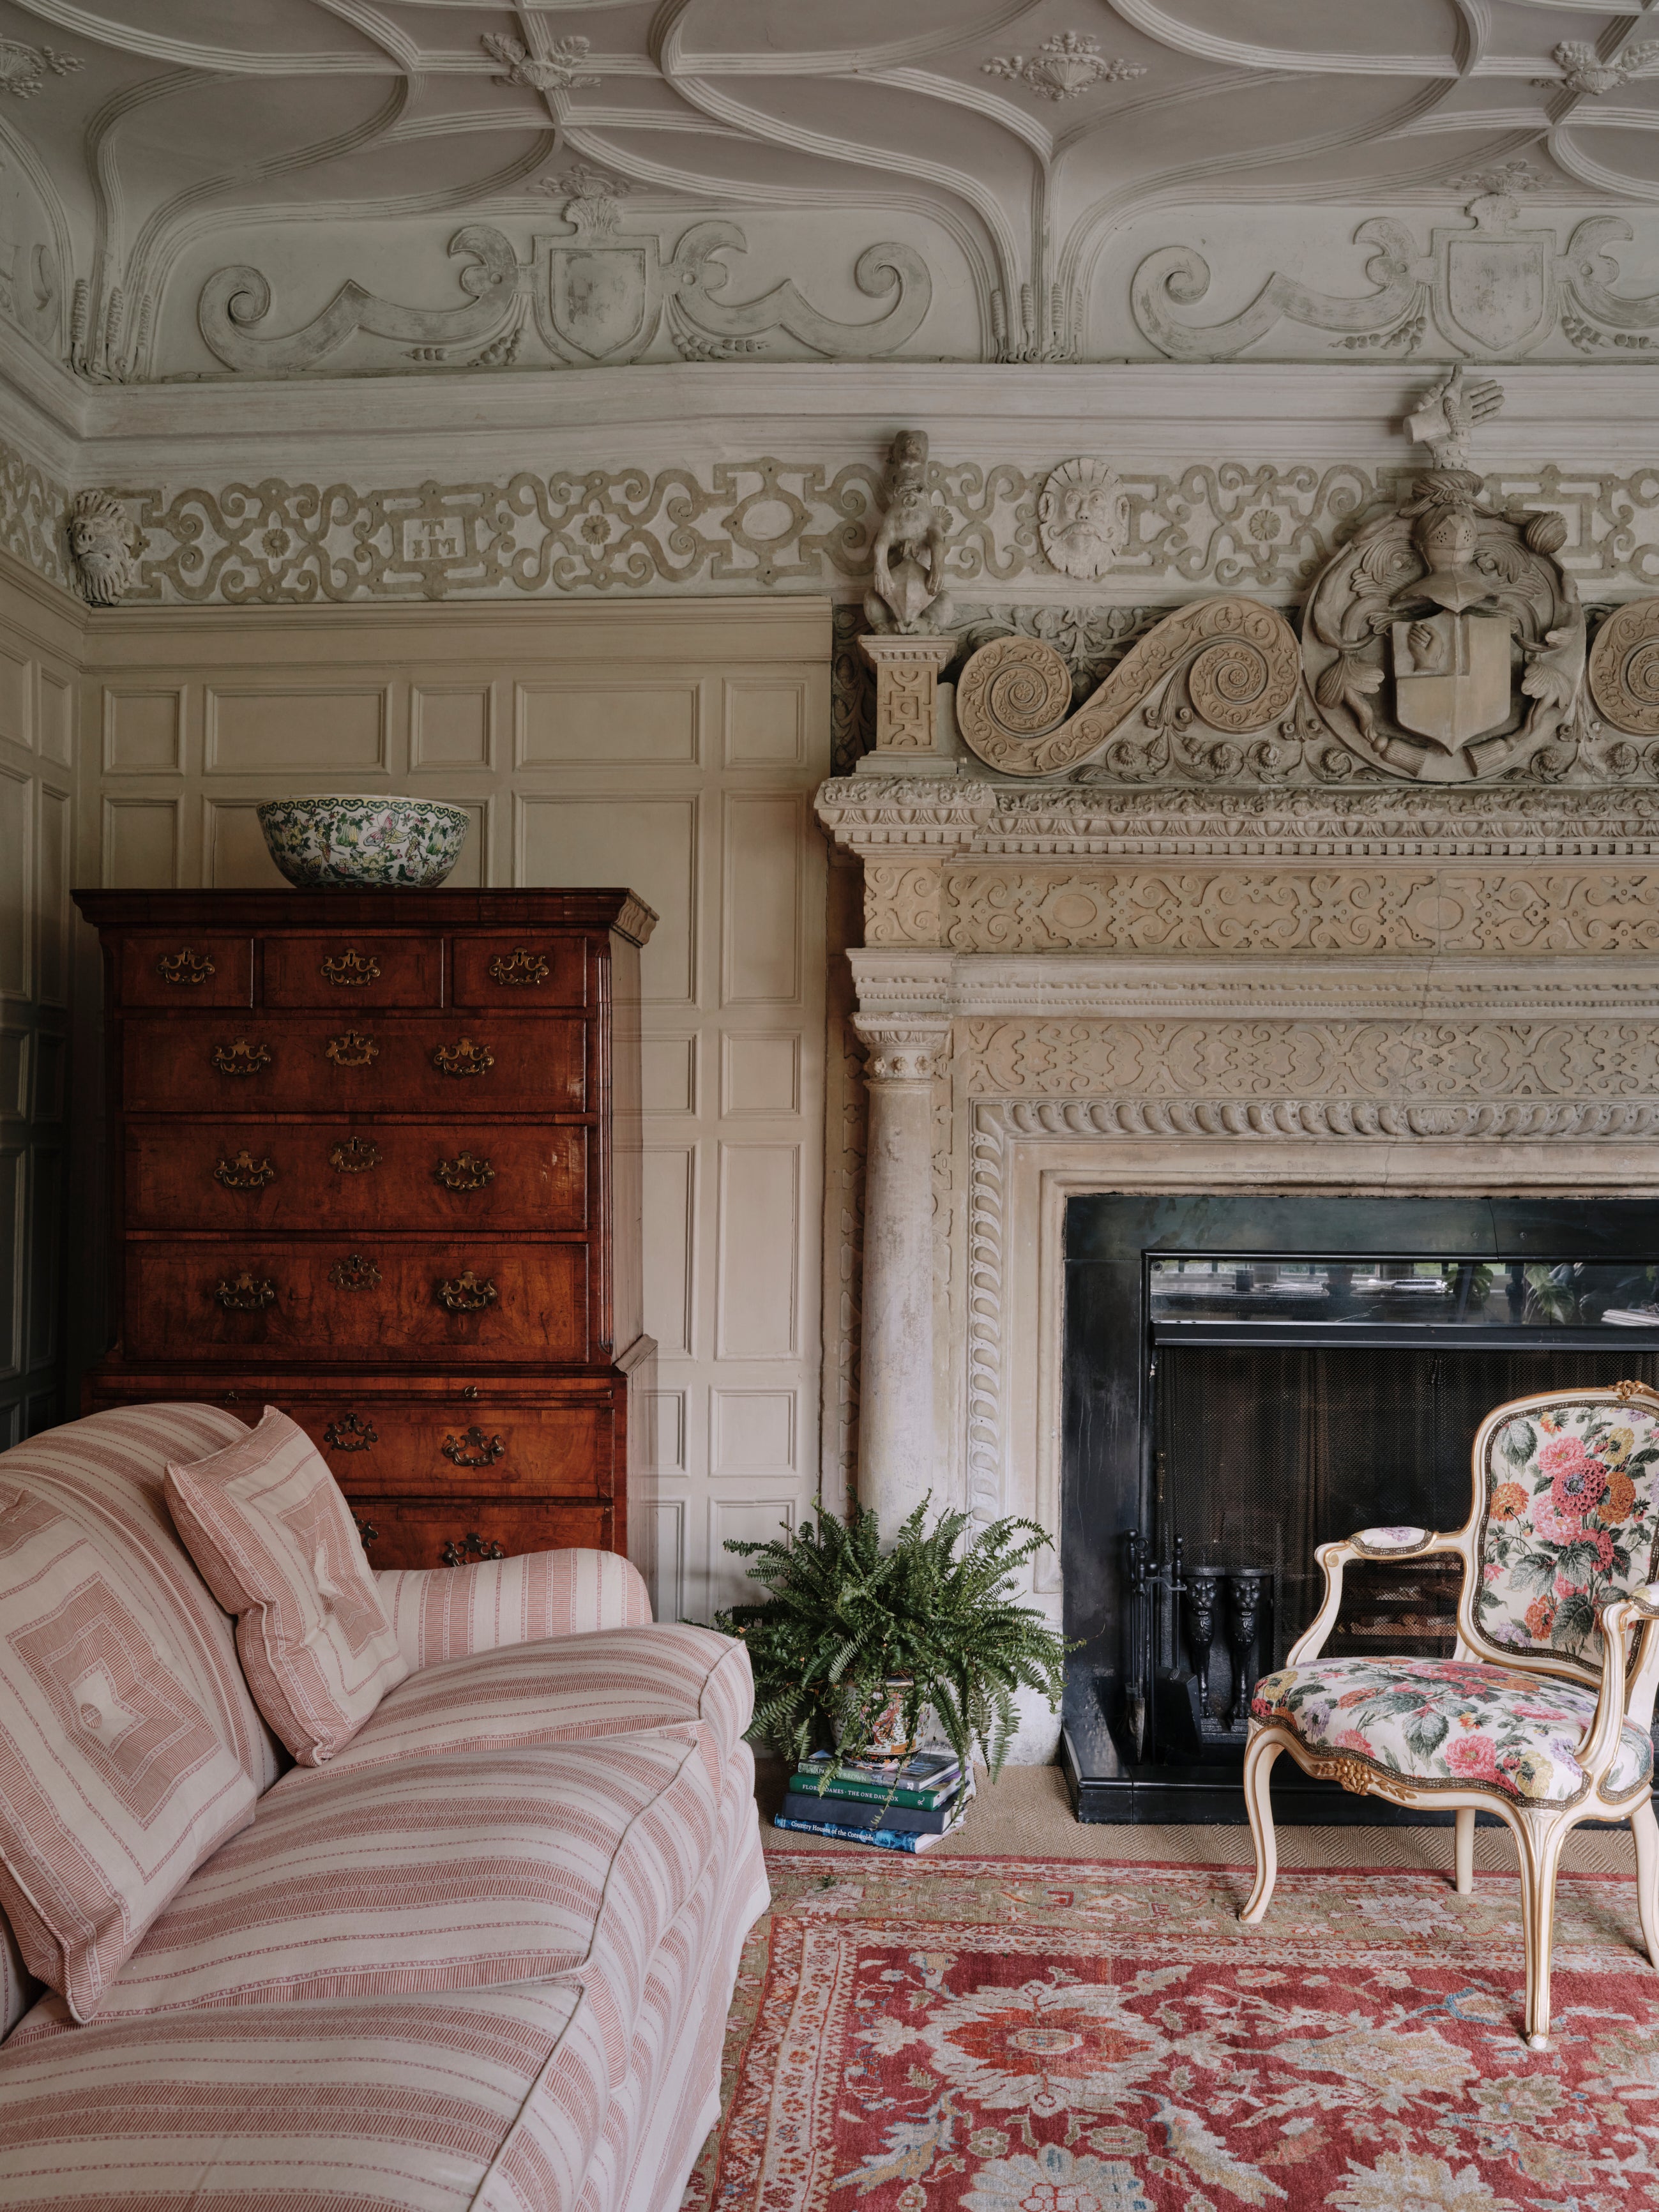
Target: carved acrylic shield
column 598, row 300
column 1452, row 677
column 1495, row 292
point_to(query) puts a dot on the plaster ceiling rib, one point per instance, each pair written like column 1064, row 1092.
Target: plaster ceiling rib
column 1151, row 21
column 951, row 92
column 17, row 150
column 98, row 308
column 1614, row 183
column 838, row 61
column 1182, row 95
column 371, row 25
column 192, row 54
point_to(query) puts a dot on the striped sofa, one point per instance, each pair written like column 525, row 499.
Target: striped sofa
column 482, row 1958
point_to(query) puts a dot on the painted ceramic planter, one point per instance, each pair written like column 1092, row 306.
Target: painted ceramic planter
column 364, row 844
column 890, row 1740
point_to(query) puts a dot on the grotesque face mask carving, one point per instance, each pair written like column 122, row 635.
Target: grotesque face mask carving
column 1083, row 518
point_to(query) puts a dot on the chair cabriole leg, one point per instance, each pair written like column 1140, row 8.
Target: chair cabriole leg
column 1540, row 1848
column 1258, row 1768
column 1463, row 1851
column 1645, row 1828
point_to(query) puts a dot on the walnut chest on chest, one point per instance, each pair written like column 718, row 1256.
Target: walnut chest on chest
column 374, row 1160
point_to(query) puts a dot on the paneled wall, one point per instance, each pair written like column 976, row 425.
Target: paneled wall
column 674, row 749
column 39, row 637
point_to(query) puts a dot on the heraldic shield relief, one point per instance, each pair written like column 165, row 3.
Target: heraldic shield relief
column 597, row 298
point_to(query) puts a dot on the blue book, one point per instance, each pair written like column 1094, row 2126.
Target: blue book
column 856, row 1812
column 885, row 1839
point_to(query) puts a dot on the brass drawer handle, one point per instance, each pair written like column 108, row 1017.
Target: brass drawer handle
column 367, row 1531
column 352, row 1049
column 466, row 1293
column 185, row 967
column 354, row 1155
column 471, row 1547
column 349, row 1434
column 350, row 971
column 475, row 1449
column 464, row 1059
column 245, row 1173
column 246, row 1293
column 354, row 1273
column 240, row 1058
column 466, row 1171
column 524, row 967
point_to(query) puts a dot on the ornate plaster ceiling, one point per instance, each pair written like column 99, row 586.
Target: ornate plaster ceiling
column 194, row 188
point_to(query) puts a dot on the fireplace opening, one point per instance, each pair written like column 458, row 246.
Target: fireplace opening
column 1250, row 1376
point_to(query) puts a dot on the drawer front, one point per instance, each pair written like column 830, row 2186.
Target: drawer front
column 521, row 971
column 441, row 1532
column 241, row 1177
column 182, row 970
column 379, row 1301
column 351, row 972
column 305, row 1064
column 477, row 1449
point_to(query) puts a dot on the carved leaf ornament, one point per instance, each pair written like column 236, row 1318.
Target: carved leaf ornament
column 1234, row 666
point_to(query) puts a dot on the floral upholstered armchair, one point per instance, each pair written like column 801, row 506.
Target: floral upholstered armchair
column 1539, row 1715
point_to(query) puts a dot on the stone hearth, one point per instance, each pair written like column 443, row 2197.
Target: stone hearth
column 1064, row 989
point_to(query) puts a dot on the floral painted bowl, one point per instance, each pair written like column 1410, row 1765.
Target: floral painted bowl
column 357, row 844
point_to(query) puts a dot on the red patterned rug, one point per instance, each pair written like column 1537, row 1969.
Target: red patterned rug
column 1046, row 2035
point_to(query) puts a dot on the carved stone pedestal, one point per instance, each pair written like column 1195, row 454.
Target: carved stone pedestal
column 908, row 670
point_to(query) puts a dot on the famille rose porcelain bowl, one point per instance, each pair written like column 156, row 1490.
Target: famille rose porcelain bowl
column 357, row 844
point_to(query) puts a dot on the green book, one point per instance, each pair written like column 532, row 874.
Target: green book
column 925, row 1798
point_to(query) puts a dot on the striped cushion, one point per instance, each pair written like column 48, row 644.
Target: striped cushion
column 447, row 1873
column 271, row 1530
column 445, row 1612
column 117, row 1774
column 18, row 1987
column 490, row 2101
column 570, row 1689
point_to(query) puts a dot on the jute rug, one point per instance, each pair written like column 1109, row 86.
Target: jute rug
column 1013, row 2034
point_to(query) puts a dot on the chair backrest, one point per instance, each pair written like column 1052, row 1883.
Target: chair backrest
column 1566, row 1516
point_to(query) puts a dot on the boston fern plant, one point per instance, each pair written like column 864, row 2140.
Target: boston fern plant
column 845, row 1619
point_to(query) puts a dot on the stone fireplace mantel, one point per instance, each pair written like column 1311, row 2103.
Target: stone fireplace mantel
column 1069, row 989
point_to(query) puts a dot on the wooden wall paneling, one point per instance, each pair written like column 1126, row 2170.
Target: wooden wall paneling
column 673, row 747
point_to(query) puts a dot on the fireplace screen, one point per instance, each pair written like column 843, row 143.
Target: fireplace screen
column 1281, row 1401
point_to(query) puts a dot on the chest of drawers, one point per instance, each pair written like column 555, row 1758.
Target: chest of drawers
column 374, row 1158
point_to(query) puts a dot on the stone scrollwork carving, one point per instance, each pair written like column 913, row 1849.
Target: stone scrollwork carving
column 906, row 590
column 101, row 543
column 596, row 296
column 1624, row 668
column 1230, row 665
column 1444, row 641
column 1083, row 518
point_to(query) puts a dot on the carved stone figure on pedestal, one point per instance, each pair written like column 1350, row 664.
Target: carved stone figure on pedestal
column 1444, row 641
column 906, row 590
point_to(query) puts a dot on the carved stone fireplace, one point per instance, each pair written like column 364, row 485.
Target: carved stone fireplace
column 1074, row 989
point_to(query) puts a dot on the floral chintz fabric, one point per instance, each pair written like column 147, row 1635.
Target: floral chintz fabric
column 1452, row 1721
column 1571, row 1520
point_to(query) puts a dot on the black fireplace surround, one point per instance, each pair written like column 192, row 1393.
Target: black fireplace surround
column 1247, row 1376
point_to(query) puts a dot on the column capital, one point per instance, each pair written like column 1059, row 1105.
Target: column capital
column 902, row 1051
column 908, row 670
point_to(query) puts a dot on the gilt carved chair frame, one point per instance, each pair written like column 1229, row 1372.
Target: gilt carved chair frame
column 1624, row 1686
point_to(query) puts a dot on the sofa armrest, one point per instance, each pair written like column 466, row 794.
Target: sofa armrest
column 444, row 1612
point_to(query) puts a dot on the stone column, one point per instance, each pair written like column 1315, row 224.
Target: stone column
column 908, row 670
column 896, row 1441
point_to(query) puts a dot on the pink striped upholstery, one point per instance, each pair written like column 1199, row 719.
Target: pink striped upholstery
column 570, row 1689
column 125, row 1758
column 447, row 1873
column 445, row 1612
column 18, row 1987
column 269, row 1526
column 491, row 2101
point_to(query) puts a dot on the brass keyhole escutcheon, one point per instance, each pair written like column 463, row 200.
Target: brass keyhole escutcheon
column 349, row 1434
column 354, row 1273
column 475, row 1449
column 185, row 967
column 240, row 1058
column 467, row 1293
column 352, row 1049
column 354, row 1155
column 466, row 1171
column 246, row 1293
column 352, row 971
column 245, row 1173
column 523, row 967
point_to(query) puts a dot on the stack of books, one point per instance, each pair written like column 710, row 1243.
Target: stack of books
column 897, row 1808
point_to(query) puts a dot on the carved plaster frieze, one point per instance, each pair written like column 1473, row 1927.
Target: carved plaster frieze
column 1490, row 287
column 1394, row 1063
column 772, row 523
column 594, row 296
column 1083, row 518
column 33, row 506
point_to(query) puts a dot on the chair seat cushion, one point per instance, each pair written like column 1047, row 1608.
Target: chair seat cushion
column 1452, row 1722
column 456, row 1872
column 565, row 1689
